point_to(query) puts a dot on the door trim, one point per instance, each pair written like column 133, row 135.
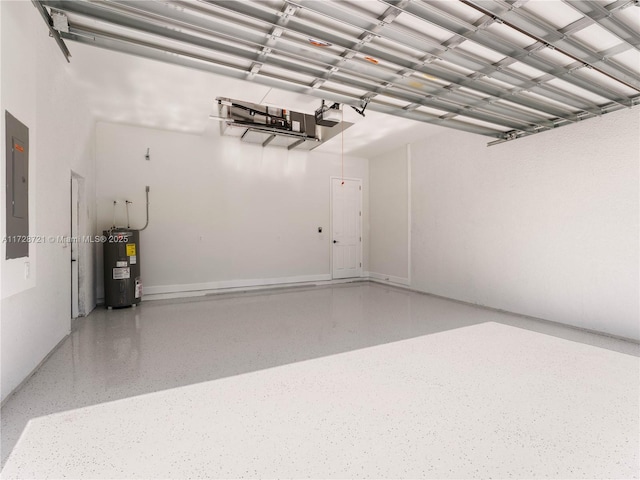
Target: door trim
column 331, row 179
column 81, row 248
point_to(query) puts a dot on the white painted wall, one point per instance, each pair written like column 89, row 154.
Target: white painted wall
column 223, row 213
column 545, row 226
column 388, row 216
column 37, row 89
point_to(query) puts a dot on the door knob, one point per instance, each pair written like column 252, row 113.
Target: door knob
column 335, row 241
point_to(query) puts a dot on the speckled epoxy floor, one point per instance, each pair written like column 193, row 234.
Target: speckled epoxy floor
column 349, row 381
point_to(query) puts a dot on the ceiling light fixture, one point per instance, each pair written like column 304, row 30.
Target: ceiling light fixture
column 319, row 43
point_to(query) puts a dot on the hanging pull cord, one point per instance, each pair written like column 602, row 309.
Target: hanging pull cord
column 342, row 138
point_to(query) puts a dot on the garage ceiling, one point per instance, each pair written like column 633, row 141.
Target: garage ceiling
column 500, row 68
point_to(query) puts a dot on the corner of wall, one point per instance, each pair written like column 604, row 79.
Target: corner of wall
column 36, row 86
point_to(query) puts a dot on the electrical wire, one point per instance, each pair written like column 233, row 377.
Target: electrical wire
column 127, row 202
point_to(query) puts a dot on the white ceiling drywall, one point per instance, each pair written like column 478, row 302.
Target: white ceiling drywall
column 127, row 89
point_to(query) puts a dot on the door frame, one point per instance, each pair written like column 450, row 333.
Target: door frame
column 80, row 248
column 360, row 181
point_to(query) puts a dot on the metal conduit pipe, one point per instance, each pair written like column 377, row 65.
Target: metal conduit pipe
column 147, row 194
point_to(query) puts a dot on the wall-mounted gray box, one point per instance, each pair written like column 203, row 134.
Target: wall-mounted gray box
column 17, row 187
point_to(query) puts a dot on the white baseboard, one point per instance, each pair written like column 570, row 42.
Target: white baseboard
column 24, row 381
column 389, row 279
column 163, row 292
column 232, row 284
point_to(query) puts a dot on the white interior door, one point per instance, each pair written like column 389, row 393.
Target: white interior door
column 75, row 260
column 346, row 228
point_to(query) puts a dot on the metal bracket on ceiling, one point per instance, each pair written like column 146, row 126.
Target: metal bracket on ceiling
column 506, row 137
column 60, row 21
column 253, row 71
column 52, row 32
column 288, row 11
column 275, row 33
column 364, row 103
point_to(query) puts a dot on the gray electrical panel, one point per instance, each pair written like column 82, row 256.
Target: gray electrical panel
column 17, row 187
column 122, row 282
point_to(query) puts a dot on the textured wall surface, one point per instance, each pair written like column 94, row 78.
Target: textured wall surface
column 37, row 89
column 221, row 210
column 389, row 190
column 544, row 226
